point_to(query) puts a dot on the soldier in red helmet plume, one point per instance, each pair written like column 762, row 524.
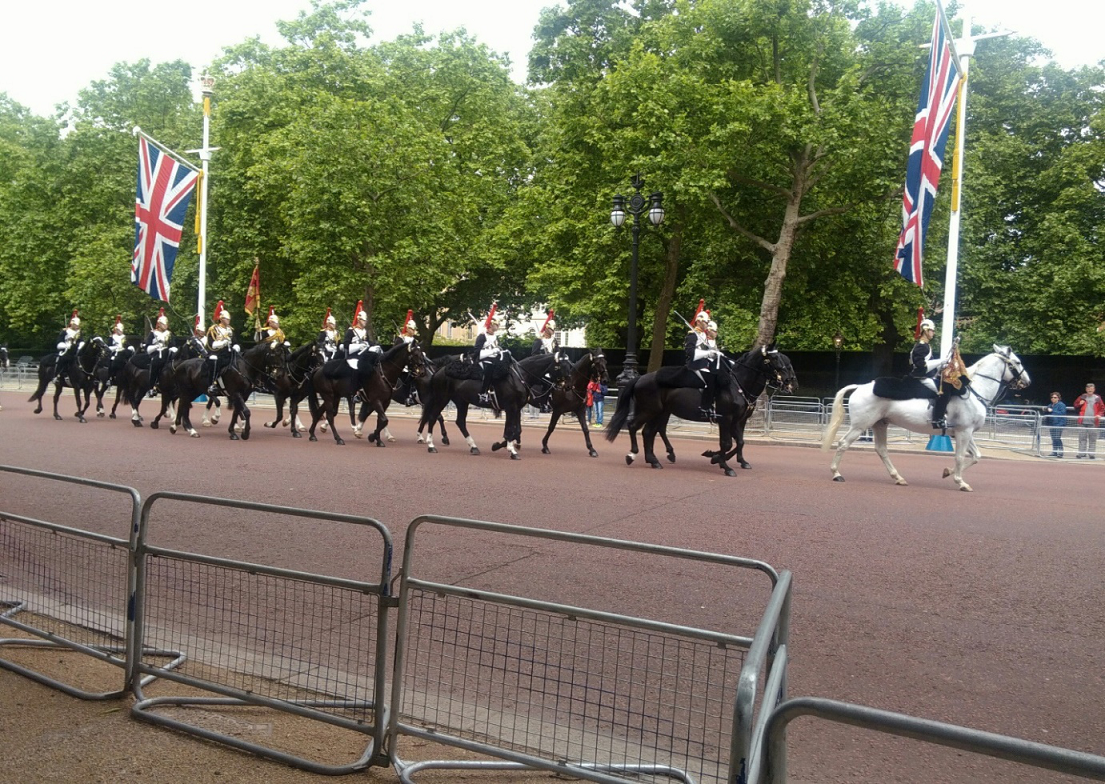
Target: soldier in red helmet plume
column 157, row 347
column 361, row 354
column 272, row 334
column 220, row 342
column 546, row 341
column 69, row 343
column 408, row 333
column 327, row 340
column 702, row 358
column 488, row 353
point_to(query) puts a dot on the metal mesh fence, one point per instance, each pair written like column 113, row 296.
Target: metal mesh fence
column 75, row 586
column 277, row 637
column 567, row 688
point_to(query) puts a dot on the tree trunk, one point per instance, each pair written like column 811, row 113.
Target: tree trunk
column 667, row 295
column 780, row 254
column 370, row 311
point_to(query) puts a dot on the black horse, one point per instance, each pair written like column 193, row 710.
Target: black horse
column 109, row 373
column 290, row 382
column 571, row 396
column 648, row 402
column 374, row 386
column 80, row 376
column 414, row 389
column 514, row 384
column 135, row 381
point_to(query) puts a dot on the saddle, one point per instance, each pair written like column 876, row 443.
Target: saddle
column 463, row 369
column 904, row 388
column 335, row 369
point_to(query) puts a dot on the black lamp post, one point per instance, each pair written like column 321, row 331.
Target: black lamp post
column 838, row 342
column 635, row 207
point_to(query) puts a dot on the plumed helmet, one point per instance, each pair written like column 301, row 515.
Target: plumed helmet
column 162, row 319
column 412, row 327
column 927, row 324
column 118, row 324
column 74, row 320
column 329, row 321
column 197, row 327
column 550, row 325
column 702, row 316
column 359, row 313
column 712, row 326
column 273, row 318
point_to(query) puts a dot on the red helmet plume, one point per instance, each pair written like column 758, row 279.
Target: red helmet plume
column 326, row 318
column 357, row 311
column 490, row 316
column 548, row 318
column 920, row 318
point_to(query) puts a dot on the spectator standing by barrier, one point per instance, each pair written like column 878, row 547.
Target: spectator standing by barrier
column 596, row 393
column 1090, row 408
column 1056, row 419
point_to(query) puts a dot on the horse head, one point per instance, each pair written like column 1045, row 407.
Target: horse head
column 598, row 365
column 1014, row 374
column 91, row 352
column 780, row 372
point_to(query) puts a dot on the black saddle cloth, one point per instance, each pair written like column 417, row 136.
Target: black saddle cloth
column 675, row 376
column 336, row 368
column 463, row 369
column 904, row 388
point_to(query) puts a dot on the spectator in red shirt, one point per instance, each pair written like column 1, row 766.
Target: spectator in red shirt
column 1090, row 409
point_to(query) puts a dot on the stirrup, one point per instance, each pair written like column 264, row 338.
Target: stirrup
column 940, row 424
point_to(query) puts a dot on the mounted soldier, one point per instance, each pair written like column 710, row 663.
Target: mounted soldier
column 69, row 343
column 408, row 333
column 327, row 340
column 546, row 341
column 702, row 357
column 118, row 345
column 360, row 352
column 219, row 342
column 924, row 367
column 490, row 356
column 157, row 347
column 272, row 333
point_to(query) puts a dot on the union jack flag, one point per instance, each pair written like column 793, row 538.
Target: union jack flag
column 926, row 150
column 164, row 188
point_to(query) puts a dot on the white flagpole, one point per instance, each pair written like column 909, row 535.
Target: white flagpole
column 964, row 48
column 208, row 83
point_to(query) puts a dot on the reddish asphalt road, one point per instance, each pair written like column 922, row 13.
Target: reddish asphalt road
column 982, row 609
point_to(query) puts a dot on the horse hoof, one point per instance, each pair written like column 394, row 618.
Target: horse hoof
column 966, row 488
column 172, row 429
column 593, row 453
column 476, row 450
column 359, row 434
column 656, row 465
column 234, row 436
column 372, row 437
column 270, row 425
column 153, row 425
column 391, row 439
column 339, row 442
column 901, row 482
column 136, row 423
column 629, row 459
column 421, row 439
column 99, row 414
column 58, row 417
column 296, row 435
column 545, row 450
column 207, row 423
column 111, row 416
column 745, row 465
column 838, row 478
column 313, row 438
column 432, row 450
column 245, row 435
column 380, row 444
column 444, row 441
column 947, row 473
column 82, row 420
column 671, row 457
column 515, row 456
column 730, row 472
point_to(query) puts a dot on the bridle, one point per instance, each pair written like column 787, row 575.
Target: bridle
column 1003, row 386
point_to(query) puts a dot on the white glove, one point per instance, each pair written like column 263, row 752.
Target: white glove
column 287, row 344
column 172, row 351
column 935, row 364
column 376, row 350
column 712, row 353
column 62, row 346
column 237, row 348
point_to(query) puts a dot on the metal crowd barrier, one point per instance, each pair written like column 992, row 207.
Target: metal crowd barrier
column 68, row 588
column 305, row 644
column 1038, row 755
column 595, row 695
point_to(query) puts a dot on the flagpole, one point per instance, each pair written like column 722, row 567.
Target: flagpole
column 965, row 49
column 208, row 82
column 137, row 131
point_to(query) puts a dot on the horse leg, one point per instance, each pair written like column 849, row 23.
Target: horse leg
column 118, row 397
column 184, row 409
column 462, row 425
column 880, row 429
column 649, row 437
column 582, row 416
column 279, row 400
column 81, row 409
column 381, row 426
column 441, row 427
column 849, row 439
column 965, row 450
column 331, row 411
column 634, row 449
column 552, row 426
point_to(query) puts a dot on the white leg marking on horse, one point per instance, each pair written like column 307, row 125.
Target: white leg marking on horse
column 471, row 442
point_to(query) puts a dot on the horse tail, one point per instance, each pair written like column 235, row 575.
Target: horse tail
column 621, row 413
column 837, row 418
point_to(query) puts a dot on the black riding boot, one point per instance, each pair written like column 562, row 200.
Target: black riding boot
column 708, row 403
column 939, row 408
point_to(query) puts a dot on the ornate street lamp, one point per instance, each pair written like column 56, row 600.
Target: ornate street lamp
column 838, row 343
column 635, row 207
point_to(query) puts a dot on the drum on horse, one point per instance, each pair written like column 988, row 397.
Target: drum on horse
column 374, row 386
column 571, row 396
column 80, row 376
column 989, row 378
column 647, row 403
column 459, row 382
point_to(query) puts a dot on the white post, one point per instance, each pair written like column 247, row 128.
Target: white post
column 208, row 83
column 965, row 48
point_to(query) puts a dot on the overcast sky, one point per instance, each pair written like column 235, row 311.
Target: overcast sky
column 50, row 50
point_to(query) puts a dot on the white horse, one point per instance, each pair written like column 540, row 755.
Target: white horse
column 965, row 414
